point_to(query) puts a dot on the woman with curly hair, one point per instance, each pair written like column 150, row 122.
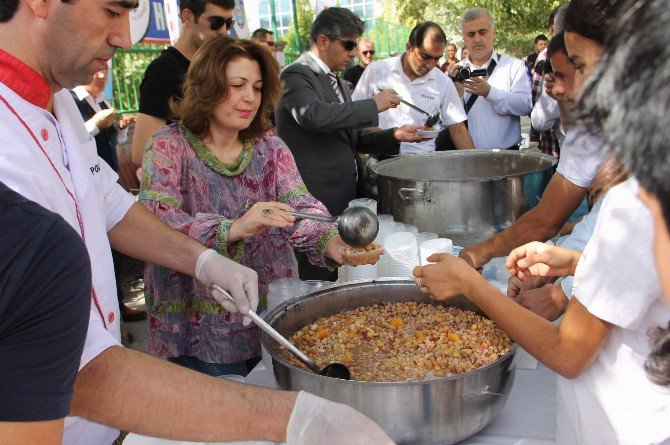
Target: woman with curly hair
column 222, row 177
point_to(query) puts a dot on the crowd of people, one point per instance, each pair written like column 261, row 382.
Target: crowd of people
column 228, row 143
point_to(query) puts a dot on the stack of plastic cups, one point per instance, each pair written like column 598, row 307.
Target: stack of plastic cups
column 385, row 229
column 437, row 245
column 398, row 226
column 364, row 202
column 421, row 237
column 284, row 289
column 412, row 229
column 402, row 255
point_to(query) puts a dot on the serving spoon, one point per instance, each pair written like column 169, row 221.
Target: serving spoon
column 358, row 226
column 432, row 117
column 334, row 370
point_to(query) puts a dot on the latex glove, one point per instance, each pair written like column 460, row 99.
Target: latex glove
column 240, row 281
column 315, row 420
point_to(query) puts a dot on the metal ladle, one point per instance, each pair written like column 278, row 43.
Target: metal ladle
column 334, row 370
column 358, row 226
column 432, row 117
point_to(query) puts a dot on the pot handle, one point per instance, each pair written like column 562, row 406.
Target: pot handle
column 414, row 195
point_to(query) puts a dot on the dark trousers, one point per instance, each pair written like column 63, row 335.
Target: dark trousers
column 117, row 258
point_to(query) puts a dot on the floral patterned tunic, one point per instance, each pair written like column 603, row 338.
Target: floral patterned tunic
column 192, row 191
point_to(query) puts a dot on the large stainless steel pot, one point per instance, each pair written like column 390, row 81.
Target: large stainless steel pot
column 439, row 411
column 466, row 196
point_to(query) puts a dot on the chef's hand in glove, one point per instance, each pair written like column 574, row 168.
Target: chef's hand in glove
column 240, row 281
column 319, row 421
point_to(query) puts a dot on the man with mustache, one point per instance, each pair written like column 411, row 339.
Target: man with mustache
column 496, row 102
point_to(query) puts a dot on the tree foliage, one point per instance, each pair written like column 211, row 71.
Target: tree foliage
column 305, row 20
column 517, row 21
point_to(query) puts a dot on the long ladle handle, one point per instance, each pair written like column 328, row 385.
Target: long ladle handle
column 273, row 333
column 415, row 107
column 313, row 216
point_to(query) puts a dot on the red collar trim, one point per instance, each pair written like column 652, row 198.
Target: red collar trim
column 24, row 80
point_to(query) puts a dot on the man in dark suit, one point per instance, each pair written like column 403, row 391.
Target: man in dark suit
column 107, row 131
column 323, row 127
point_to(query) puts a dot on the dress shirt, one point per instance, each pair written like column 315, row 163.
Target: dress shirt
column 94, row 102
column 547, row 115
column 430, row 92
column 494, row 121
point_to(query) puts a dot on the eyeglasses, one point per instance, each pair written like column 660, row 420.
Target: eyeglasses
column 216, row 22
column 349, row 45
column 370, row 52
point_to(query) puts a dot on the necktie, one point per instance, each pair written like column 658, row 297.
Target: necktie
column 336, row 86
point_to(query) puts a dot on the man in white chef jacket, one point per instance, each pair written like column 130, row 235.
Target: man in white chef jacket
column 47, row 155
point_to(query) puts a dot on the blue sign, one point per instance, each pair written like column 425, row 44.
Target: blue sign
column 157, row 31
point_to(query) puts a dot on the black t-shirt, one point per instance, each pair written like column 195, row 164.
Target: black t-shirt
column 354, row 74
column 45, row 298
column 163, row 80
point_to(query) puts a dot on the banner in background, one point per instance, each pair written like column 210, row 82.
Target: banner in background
column 157, row 21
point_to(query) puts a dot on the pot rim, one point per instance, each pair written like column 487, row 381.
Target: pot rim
column 375, row 168
column 283, row 307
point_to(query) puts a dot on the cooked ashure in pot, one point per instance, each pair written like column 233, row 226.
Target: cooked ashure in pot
column 395, row 342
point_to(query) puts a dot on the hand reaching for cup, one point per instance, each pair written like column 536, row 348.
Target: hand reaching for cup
column 259, row 217
column 541, row 259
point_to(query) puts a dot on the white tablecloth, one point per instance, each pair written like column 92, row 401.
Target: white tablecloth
column 528, row 417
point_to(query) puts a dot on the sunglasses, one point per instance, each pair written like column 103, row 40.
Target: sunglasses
column 217, row 22
column 269, row 42
column 349, row 45
column 371, row 52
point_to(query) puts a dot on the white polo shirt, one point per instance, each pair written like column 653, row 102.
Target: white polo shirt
column 435, row 90
column 52, row 160
column 582, row 153
column 494, row 121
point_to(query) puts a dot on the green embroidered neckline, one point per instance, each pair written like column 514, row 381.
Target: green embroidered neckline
column 210, row 160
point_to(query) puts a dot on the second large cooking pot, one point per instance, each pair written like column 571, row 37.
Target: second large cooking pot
column 439, row 411
column 466, row 196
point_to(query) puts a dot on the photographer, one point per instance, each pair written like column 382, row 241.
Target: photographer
column 495, row 102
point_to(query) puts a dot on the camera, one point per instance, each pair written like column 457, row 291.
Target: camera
column 465, row 72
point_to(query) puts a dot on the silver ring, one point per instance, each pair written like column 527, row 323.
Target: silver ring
column 266, row 212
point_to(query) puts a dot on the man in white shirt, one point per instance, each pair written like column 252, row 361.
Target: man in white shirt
column 416, row 78
column 553, row 108
column 502, row 96
column 47, row 156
